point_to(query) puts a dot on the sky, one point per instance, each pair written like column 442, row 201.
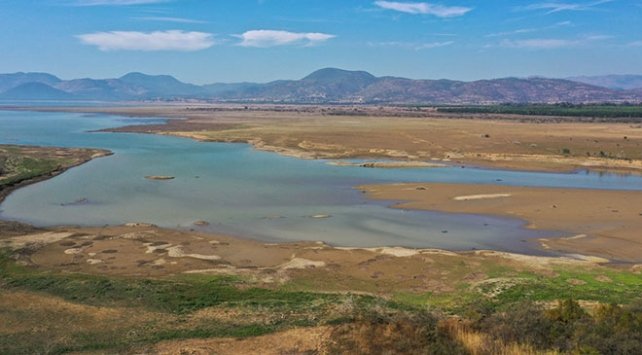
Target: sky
column 208, row 41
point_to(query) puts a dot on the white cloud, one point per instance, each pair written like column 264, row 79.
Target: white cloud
column 514, row 32
column 168, row 19
column 174, row 40
column 552, row 43
column 271, row 38
column 635, row 44
column 424, row 8
column 411, row 45
column 555, row 6
column 117, row 2
column 597, row 38
column 434, row 45
column 538, row 43
column 530, row 30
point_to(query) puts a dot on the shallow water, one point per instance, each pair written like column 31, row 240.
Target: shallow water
column 244, row 192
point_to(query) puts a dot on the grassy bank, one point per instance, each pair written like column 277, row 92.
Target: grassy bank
column 21, row 165
column 121, row 314
column 167, row 307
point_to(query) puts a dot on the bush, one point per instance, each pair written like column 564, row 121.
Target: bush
column 568, row 328
column 523, row 323
column 379, row 333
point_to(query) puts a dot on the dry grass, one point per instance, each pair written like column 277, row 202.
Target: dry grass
column 481, row 344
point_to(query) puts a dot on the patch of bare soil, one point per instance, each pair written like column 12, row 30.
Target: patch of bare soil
column 602, row 223
column 146, row 251
column 295, row 341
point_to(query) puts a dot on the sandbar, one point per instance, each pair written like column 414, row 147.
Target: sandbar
column 606, row 223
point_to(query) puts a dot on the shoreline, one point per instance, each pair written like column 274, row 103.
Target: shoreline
column 233, row 124
column 561, row 244
column 13, row 229
column 6, row 190
column 79, row 156
column 603, row 223
column 144, row 250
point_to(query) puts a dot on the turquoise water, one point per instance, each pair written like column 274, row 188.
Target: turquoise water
column 244, row 192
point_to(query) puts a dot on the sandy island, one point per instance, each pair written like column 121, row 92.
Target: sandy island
column 598, row 222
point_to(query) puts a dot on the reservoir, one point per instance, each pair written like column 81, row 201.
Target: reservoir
column 252, row 194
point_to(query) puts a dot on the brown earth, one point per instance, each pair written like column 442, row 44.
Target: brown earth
column 311, row 340
column 599, row 222
column 148, row 251
column 341, row 132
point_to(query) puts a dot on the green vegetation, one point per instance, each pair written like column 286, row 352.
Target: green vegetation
column 607, row 286
column 510, row 309
column 172, row 301
column 602, row 111
column 20, row 163
column 19, row 168
column 567, row 328
column 180, row 295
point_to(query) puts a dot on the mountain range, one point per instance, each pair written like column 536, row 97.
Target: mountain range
column 329, row 85
column 617, row 82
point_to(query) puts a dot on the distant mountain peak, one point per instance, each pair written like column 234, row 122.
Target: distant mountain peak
column 35, row 91
column 617, row 82
column 332, row 74
column 160, row 85
column 8, row 81
column 327, row 85
column 138, row 76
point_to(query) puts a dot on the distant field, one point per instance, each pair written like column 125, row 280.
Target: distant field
column 591, row 111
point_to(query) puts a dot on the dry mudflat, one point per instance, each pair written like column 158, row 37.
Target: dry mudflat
column 502, row 141
column 595, row 222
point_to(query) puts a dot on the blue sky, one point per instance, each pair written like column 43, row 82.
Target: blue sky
column 205, row 41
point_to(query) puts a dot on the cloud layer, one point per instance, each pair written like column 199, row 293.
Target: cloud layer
column 411, row 45
column 174, row 40
column 271, row 38
column 423, row 8
column 552, row 43
column 168, row 19
column 555, row 6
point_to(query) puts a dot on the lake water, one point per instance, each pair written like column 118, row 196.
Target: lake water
column 248, row 193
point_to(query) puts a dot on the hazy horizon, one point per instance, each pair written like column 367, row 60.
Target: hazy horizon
column 298, row 78
column 264, row 40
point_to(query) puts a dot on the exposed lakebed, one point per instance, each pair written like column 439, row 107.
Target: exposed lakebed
column 234, row 189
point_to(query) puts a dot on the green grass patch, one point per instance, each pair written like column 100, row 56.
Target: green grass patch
column 568, row 110
column 603, row 285
column 177, row 297
column 506, row 286
column 17, row 168
column 168, row 295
